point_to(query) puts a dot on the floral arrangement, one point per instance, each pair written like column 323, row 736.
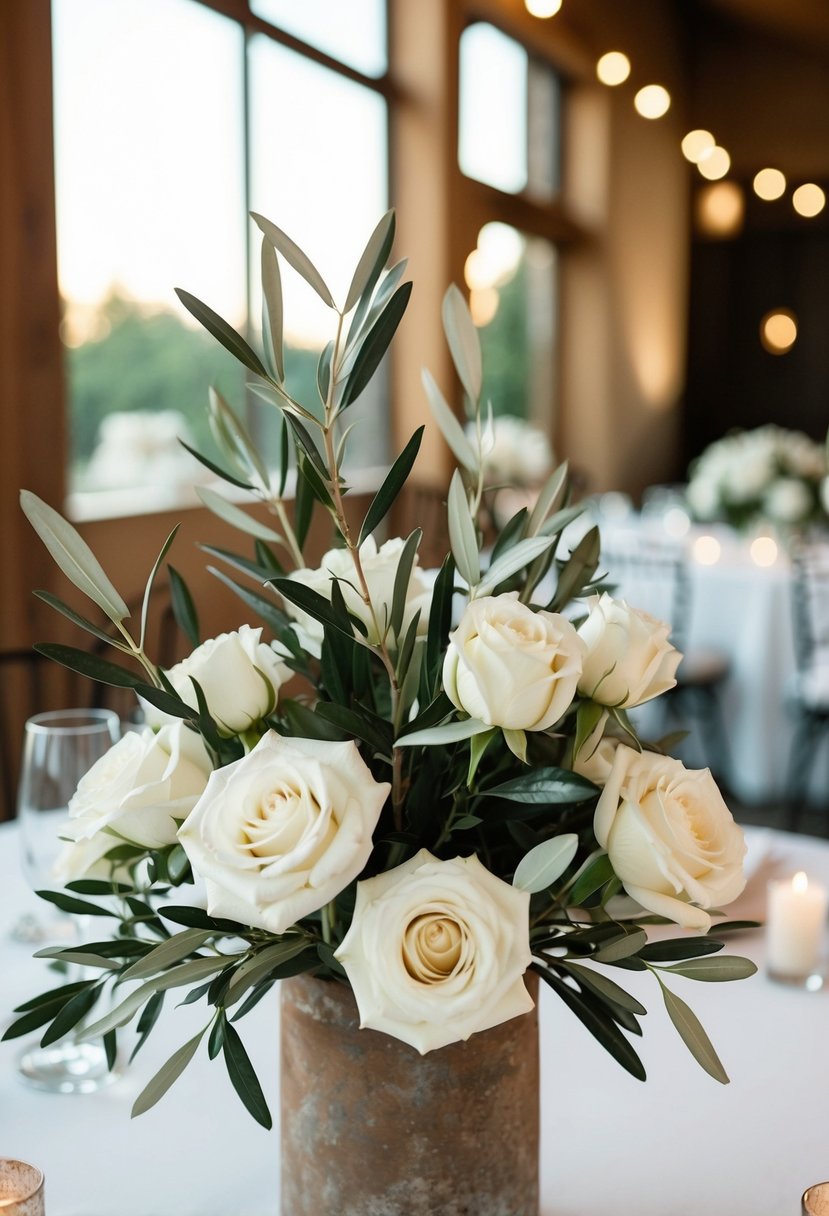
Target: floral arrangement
column 767, row 474
column 421, row 786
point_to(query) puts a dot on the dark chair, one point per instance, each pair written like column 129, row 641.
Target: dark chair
column 654, row 576
column 810, row 694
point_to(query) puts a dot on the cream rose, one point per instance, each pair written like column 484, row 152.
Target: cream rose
column 670, row 837
column 239, row 674
column 510, row 666
column 379, row 567
column 596, row 764
column 142, row 789
column 280, row 832
column 436, row 951
column 629, row 659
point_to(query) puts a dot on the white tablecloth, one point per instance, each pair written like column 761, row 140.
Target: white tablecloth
column 678, row 1145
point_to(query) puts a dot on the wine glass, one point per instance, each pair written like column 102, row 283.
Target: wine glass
column 58, row 748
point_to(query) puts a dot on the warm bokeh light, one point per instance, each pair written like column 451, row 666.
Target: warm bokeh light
column 652, row 101
column 707, row 550
column 542, row 8
column 763, row 550
column 778, row 331
column 613, row 68
column 808, row 200
column 715, row 164
column 697, row 144
column 769, row 184
column 720, row 209
column 483, row 304
column 495, row 260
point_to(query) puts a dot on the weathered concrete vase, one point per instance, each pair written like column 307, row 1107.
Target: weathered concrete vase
column 372, row 1128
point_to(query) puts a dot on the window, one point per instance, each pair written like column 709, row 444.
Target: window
column 508, row 145
column 152, row 154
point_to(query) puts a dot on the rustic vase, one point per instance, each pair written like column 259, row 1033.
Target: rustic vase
column 372, row 1128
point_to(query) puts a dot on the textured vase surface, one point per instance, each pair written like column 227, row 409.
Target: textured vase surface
column 372, row 1128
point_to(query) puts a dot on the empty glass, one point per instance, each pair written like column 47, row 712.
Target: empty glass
column 58, row 748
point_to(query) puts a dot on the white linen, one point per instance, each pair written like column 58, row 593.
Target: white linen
column 678, row 1145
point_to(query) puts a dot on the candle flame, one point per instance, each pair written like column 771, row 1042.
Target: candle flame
column 800, row 882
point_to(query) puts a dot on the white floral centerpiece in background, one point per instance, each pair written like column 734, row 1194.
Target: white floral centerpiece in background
column 769, row 474
column 419, row 788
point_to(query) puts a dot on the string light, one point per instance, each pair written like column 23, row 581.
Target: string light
column 720, row 209
column 652, row 101
column 697, row 144
column 715, row 164
column 613, row 68
column 778, row 331
column 769, row 184
column 808, row 200
column 542, row 8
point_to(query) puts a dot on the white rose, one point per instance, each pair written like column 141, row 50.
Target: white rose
column 514, row 452
column 596, row 764
column 142, row 788
column 510, row 666
column 629, row 659
column 788, row 500
column 239, row 674
column 436, row 951
column 379, row 567
column 282, row 831
column 670, row 837
column 704, row 497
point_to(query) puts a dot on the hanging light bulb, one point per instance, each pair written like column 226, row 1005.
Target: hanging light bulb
column 652, row 101
column 613, row 68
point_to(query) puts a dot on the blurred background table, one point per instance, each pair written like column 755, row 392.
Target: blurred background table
column 680, row 1143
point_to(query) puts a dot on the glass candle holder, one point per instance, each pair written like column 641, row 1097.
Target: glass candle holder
column 21, row 1188
column 795, row 929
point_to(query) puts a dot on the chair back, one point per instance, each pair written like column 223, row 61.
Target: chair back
column 810, row 605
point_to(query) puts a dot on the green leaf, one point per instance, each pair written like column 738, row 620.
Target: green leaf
column 316, row 605
column 81, row 958
column 543, row 786
column 292, row 254
column 216, row 468
column 70, row 903
column 402, row 578
column 577, row 570
column 167, row 953
column 272, row 304
column 77, row 619
column 358, row 723
column 148, row 1019
column 393, row 483
column 148, row 589
column 722, row 969
column 168, row 703
column 509, row 563
column 605, row 988
column 166, row 1075
column 260, row 965
column 631, row 943
column 186, row 973
column 73, row 555
column 184, row 609
column 303, row 438
column 594, row 875
column 451, row 732
column 271, row 613
column 440, row 620
column 680, row 948
column 690, row 1030
column 71, row 1014
column 236, row 438
column 450, row 428
column 516, row 741
column 539, row 869
column 374, row 258
column 90, row 665
column 307, row 471
column 375, row 344
column 235, row 515
column 222, row 332
column 462, row 536
column 603, row 1029
column 464, row 342
column 550, row 498
column 588, row 716
column 244, row 1078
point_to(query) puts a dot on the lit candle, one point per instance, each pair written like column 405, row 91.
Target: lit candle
column 796, row 922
